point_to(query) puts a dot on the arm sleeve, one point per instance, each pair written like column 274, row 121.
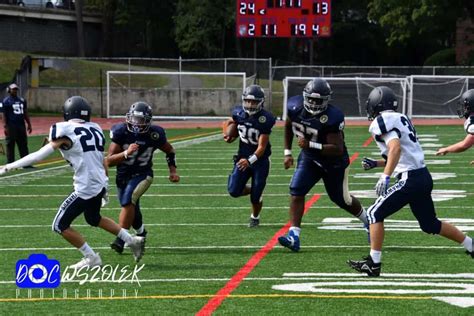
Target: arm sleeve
column 32, row 158
column 389, row 136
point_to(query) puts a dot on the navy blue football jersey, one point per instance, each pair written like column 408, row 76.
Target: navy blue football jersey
column 316, row 128
column 14, row 109
column 140, row 161
column 250, row 128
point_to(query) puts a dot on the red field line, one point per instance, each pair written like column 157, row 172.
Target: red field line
column 235, row 281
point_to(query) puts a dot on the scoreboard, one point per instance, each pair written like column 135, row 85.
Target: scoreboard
column 283, row 18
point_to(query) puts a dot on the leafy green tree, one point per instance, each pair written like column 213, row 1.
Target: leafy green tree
column 419, row 27
column 202, row 25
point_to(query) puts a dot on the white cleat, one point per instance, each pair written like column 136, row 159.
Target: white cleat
column 89, row 261
column 137, row 246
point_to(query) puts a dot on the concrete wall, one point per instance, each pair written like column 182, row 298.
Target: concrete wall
column 163, row 101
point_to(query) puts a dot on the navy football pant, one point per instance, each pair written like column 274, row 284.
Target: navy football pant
column 308, row 173
column 73, row 206
column 258, row 172
column 413, row 188
column 130, row 192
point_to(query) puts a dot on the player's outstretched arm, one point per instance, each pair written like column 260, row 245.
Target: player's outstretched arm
column 36, row 156
column 171, row 160
column 461, row 146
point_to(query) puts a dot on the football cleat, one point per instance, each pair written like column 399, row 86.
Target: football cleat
column 118, row 245
column 88, row 261
column 366, row 265
column 291, row 241
column 137, row 246
column 254, row 222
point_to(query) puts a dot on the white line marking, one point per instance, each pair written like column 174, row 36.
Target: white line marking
column 233, row 247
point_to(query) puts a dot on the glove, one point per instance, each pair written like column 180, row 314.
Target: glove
column 382, row 185
column 368, row 163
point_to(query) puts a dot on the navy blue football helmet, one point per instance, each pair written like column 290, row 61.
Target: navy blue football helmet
column 381, row 99
column 77, row 107
column 253, row 99
column 139, row 117
column 466, row 104
column 316, row 95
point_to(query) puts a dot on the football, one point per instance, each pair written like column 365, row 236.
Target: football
column 229, row 130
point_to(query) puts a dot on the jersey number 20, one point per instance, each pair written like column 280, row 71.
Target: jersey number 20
column 91, row 139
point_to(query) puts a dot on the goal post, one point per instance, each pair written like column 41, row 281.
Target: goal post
column 349, row 93
column 175, row 95
column 436, row 96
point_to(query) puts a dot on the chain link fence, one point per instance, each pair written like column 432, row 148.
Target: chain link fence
column 78, row 74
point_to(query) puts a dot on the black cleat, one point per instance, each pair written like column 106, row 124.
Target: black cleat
column 253, row 222
column 117, row 245
column 366, row 265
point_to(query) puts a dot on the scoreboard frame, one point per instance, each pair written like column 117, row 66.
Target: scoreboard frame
column 283, row 18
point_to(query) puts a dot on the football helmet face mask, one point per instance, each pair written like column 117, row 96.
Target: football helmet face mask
column 316, row 96
column 253, row 99
column 139, row 117
column 380, row 99
column 466, row 104
column 77, row 107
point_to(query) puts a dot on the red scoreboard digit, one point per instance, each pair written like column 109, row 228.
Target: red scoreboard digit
column 283, row 18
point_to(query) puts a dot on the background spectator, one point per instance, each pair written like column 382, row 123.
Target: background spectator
column 14, row 113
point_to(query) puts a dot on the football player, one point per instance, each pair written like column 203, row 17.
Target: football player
column 131, row 150
column 466, row 110
column 81, row 143
column 396, row 138
column 254, row 124
column 318, row 127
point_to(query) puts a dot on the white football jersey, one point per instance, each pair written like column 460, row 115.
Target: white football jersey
column 398, row 125
column 469, row 125
column 86, row 155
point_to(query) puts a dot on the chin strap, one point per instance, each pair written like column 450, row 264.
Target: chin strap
column 32, row 158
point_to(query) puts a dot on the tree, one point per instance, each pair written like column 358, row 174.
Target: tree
column 201, row 26
column 419, row 27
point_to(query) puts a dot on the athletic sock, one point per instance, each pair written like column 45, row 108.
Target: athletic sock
column 296, row 230
column 253, row 217
column 125, row 236
column 363, row 216
column 86, row 250
column 376, row 255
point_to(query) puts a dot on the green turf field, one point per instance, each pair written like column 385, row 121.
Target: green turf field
column 198, row 241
